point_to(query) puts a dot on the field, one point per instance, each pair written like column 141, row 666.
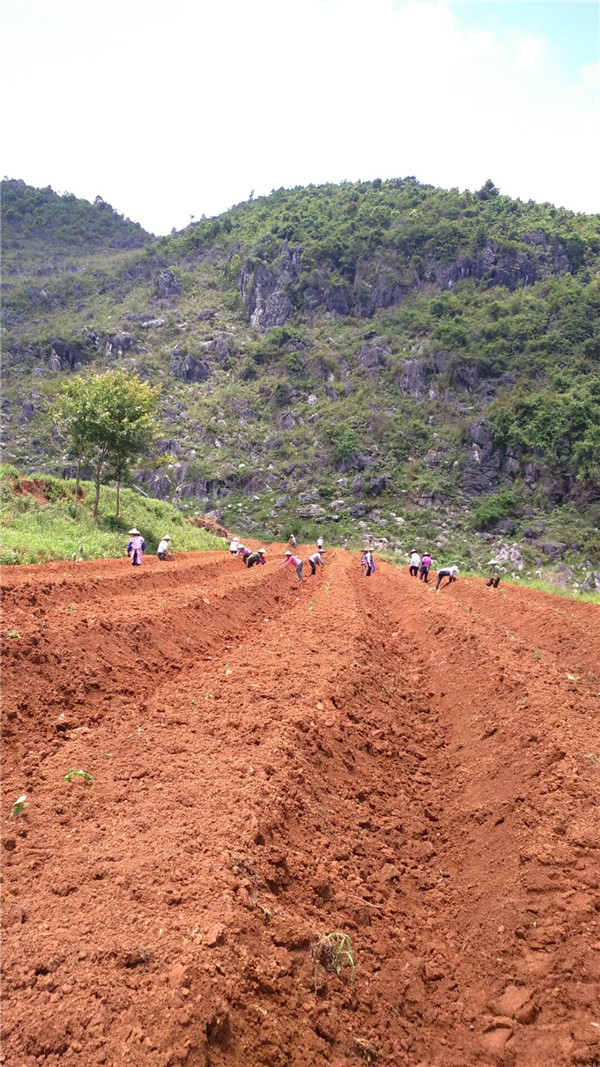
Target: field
column 276, row 763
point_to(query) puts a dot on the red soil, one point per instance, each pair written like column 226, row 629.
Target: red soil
column 276, row 762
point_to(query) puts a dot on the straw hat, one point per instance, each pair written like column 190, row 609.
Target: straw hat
column 134, row 531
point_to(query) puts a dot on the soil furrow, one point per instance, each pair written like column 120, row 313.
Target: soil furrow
column 273, row 763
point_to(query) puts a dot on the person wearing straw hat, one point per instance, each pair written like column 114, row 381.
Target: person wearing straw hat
column 136, row 547
column 163, row 548
column 415, row 563
column 293, row 561
column 494, row 578
column 257, row 557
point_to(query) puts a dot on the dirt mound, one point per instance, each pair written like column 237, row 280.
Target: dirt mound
column 349, row 821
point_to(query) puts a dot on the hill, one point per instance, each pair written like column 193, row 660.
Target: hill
column 384, row 357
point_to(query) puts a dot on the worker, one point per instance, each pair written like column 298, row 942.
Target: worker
column 320, row 544
column 163, row 548
column 256, row 557
column 425, row 565
column 446, row 572
column 415, row 563
column 245, row 553
column 494, row 578
column 316, row 560
column 367, row 563
column 136, row 547
column 234, row 544
column 293, row 561
column 292, row 541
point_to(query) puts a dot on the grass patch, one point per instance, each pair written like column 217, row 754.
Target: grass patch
column 46, row 526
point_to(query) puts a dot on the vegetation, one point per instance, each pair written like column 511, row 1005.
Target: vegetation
column 109, row 421
column 334, row 952
column 75, row 775
column 40, row 522
column 19, row 807
column 381, row 357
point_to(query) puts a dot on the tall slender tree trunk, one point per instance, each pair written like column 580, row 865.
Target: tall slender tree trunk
column 77, row 481
column 98, row 474
column 118, row 494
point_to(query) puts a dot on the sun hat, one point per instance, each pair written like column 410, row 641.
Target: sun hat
column 262, row 551
column 134, row 531
column 492, row 562
column 166, row 537
column 288, row 553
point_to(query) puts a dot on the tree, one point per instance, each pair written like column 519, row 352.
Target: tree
column 110, row 420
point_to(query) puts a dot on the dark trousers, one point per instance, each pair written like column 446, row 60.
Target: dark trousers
column 413, row 571
column 441, row 575
column 299, row 571
column 313, row 567
column 424, row 574
column 493, row 581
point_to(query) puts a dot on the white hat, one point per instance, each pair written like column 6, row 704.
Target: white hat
column 134, row 531
column 166, row 538
column 492, row 562
column 263, row 550
column 288, row 553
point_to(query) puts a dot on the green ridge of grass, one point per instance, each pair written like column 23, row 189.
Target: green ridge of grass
column 37, row 530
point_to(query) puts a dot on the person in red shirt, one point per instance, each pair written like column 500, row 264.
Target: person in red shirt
column 295, row 561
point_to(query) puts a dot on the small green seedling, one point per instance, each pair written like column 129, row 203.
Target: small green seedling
column 333, row 952
column 105, row 755
column 19, row 807
column 75, row 775
column 14, row 633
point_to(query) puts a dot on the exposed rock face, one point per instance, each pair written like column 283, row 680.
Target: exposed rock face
column 27, row 412
column 264, row 290
column 187, row 367
column 372, row 356
column 167, row 288
column 413, row 378
column 554, row 551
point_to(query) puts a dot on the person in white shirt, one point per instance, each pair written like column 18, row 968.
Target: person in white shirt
column 446, row 572
column 316, row 560
column 320, row 544
column 234, row 545
column 415, row 563
column 163, row 548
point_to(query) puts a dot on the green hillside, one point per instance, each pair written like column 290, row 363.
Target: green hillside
column 381, row 358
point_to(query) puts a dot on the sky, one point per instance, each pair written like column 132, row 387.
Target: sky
column 174, row 110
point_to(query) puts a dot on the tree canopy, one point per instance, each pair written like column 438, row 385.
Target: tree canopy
column 109, row 420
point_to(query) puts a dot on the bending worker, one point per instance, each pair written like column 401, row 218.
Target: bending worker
column 293, row 561
column 163, row 548
column 316, row 560
column 446, row 572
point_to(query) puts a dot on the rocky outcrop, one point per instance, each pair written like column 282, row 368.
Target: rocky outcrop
column 167, row 288
column 188, row 367
column 264, row 289
column 372, row 356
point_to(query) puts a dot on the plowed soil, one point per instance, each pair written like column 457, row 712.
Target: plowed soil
column 274, row 763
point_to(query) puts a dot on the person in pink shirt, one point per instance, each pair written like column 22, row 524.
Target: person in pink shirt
column 295, row 562
column 425, row 566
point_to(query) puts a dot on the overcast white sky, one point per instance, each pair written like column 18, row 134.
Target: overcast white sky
column 180, row 109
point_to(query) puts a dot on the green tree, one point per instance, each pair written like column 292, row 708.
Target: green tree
column 110, row 420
